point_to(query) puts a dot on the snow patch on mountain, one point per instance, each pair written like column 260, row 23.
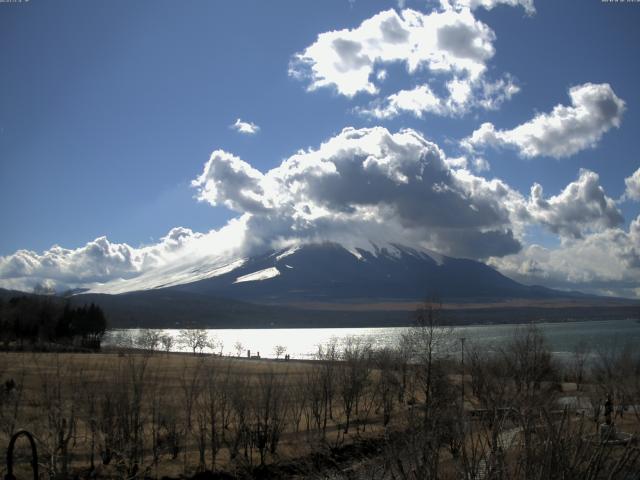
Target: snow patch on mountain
column 355, row 253
column 287, row 252
column 265, row 274
column 171, row 276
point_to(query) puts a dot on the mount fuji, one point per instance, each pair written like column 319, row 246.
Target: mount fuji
column 334, row 285
column 330, row 272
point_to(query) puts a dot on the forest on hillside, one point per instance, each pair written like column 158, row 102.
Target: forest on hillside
column 42, row 322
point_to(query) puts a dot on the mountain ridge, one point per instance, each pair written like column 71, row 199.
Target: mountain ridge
column 329, row 271
column 329, row 285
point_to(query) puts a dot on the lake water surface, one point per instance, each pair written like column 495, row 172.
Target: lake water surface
column 302, row 343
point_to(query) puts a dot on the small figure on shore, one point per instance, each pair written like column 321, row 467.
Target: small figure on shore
column 10, row 385
column 608, row 409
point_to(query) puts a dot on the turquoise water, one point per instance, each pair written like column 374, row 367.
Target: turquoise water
column 303, row 342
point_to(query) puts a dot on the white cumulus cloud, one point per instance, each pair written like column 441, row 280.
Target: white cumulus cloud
column 565, row 131
column 464, row 94
column 230, row 181
column 448, row 43
column 101, row 260
column 632, row 183
column 248, row 128
column 605, row 262
column 528, row 5
column 386, row 186
column 581, row 207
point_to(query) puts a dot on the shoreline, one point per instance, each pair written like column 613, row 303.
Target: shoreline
column 408, row 324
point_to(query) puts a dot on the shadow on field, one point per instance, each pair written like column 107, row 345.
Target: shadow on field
column 315, row 465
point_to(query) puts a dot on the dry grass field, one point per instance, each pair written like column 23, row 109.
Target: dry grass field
column 158, row 412
column 354, row 413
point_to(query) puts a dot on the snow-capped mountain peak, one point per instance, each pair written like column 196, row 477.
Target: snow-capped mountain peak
column 331, row 272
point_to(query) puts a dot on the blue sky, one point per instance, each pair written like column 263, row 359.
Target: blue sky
column 109, row 110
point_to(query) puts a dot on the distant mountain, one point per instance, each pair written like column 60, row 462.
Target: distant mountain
column 329, row 272
column 328, row 284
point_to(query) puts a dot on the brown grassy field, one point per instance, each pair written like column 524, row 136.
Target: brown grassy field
column 398, row 413
column 172, row 395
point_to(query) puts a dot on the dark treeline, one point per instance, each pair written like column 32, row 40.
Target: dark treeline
column 40, row 320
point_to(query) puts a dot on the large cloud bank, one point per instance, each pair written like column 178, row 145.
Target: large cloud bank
column 605, row 262
column 101, row 261
column 386, row 186
column 360, row 186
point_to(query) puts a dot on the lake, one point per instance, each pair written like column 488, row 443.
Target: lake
column 302, row 343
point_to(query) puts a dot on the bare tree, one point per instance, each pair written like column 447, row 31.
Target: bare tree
column 269, row 412
column 239, row 348
column 240, row 423
column 159, row 405
column 616, row 371
column 417, row 454
column 429, row 341
column 491, row 383
column 61, row 415
column 167, row 342
column 90, row 393
column 149, row 339
column 279, row 350
column 388, row 384
column 315, row 398
column 328, row 356
column 298, row 394
column 214, row 407
column 191, row 386
column 122, row 416
column 353, row 373
column 404, row 355
column 579, row 358
column 214, row 343
column 529, row 361
column 194, row 339
column 123, row 340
